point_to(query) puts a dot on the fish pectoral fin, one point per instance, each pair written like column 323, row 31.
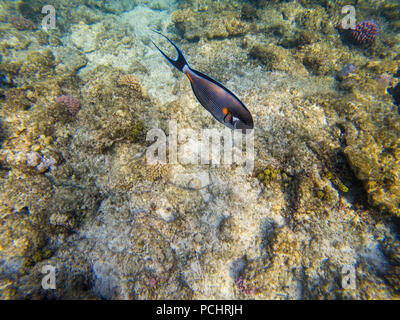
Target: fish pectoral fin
column 228, row 117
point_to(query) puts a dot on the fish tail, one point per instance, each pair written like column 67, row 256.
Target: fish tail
column 180, row 62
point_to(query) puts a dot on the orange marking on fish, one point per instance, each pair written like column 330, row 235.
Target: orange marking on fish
column 191, row 80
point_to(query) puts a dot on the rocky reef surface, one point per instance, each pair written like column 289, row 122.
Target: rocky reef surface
column 77, row 193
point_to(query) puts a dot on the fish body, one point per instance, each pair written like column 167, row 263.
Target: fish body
column 212, row 95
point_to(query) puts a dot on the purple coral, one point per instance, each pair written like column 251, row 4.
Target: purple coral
column 72, row 103
column 348, row 69
column 365, row 32
column 152, row 282
column 240, row 286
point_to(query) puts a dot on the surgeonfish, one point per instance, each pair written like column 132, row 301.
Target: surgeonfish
column 212, row 95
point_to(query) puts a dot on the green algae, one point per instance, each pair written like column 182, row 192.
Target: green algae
column 336, row 181
column 325, row 194
column 270, row 174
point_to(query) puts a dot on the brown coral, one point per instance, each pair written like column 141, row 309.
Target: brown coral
column 195, row 25
column 21, row 23
column 130, row 81
column 156, row 170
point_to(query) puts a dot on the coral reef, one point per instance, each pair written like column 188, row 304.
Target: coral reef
column 276, row 58
column 347, row 70
column 132, row 83
column 78, row 192
column 72, row 103
column 224, row 23
column 20, row 23
column 366, row 31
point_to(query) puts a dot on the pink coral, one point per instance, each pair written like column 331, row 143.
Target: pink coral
column 241, row 287
column 366, row 31
column 72, row 103
column 152, row 282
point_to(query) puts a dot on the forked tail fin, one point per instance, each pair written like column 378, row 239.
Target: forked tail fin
column 180, row 61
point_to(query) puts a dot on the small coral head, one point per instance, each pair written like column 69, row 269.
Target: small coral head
column 347, row 70
column 384, row 80
column 365, row 32
column 152, row 282
column 72, row 103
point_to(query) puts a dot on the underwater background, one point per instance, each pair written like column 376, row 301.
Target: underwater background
column 76, row 192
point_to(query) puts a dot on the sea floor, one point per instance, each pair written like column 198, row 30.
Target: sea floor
column 306, row 206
